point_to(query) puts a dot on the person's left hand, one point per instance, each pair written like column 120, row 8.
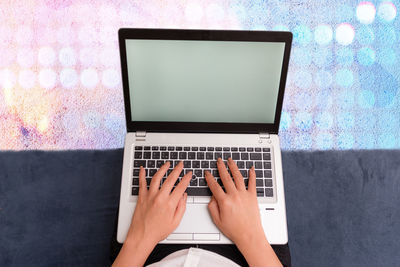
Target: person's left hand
column 158, row 211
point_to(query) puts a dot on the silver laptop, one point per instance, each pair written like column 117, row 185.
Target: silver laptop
column 195, row 96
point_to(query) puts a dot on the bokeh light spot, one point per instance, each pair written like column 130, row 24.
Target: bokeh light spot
column 68, row 78
column 366, row 12
column 344, row 34
column 46, row 56
column 285, row 121
column 47, row 78
column 387, row 11
column 110, row 78
column 67, row 57
column 89, row 78
column 323, row 34
column 302, row 35
column 366, row 56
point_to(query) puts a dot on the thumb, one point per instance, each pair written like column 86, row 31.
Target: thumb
column 214, row 211
column 180, row 210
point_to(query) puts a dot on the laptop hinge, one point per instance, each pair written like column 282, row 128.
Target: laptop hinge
column 140, row 134
column 264, row 135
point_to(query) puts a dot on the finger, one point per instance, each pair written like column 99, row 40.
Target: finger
column 237, row 176
column 155, row 181
column 142, row 182
column 214, row 186
column 171, row 179
column 180, row 210
column 181, row 187
column 225, row 177
column 252, row 180
column 214, row 211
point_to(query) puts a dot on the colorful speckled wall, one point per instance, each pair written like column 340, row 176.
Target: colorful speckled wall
column 60, row 74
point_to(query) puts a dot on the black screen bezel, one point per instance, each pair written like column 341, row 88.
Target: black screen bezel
column 209, row 35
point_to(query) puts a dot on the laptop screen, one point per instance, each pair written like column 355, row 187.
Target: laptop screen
column 203, row 81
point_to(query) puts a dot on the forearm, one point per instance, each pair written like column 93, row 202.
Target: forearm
column 258, row 252
column 134, row 253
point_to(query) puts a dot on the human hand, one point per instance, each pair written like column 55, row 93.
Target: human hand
column 158, row 213
column 235, row 212
column 237, row 215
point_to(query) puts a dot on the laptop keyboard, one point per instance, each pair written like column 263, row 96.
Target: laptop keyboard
column 199, row 159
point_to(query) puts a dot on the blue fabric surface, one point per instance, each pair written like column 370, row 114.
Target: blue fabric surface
column 59, row 208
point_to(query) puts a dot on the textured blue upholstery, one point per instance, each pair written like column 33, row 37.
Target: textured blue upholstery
column 59, row 208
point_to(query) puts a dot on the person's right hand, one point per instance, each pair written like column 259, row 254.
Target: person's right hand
column 237, row 215
column 235, row 212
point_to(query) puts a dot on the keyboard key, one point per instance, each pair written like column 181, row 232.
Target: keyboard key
column 135, row 191
column 200, row 155
column 163, row 148
column 176, row 162
column 209, row 155
column 195, row 164
column 217, row 155
column 148, row 181
column 267, row 165
column 213, row 164
column 215, row 173
column 155, row 155
column 268, row 174
column 138, row 155
column 259, row 182
column 205, row 165
column 165, row 155
column 171, row 148
column 152, row 172
column 193, row 182
column 203, row 148
column 136, row 172
column 187, row 164
column 259, row 173
column 195, row 148
column 182, row 155
column 135, row 181
column 159, row 163
column 236, row 156
column 198, row 173
column 266, row 156
column 269, row 192
column 151, row 164
column 146, row 148
column 218, row 149
column 255, row 156
column 257, row 149
column 188, row 170
column 198, row 191
column 242, row 149
column 226, row 156
column 226, row 149
column 178, row 148
column 154, row 148
column 266, row 149
column 186, row 148
column 250, row 149
column 249, row 164
column 191, row 155
column 202, row 182
column 147, row 155
column 244, row 173
column 138, row 163
column 210, row 148
column 240, row 164
column 173, row 155
column 260, row 192
column 138, row 148
column 258, row 165
column 234, row 149
column 268, row 182
column 244, row 156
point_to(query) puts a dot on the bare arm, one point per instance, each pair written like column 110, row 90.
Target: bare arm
column 237, row 215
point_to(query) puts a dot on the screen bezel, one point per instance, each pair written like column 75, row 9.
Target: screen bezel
column 205, row 35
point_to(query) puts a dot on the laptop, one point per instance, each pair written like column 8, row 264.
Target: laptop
column 195, row 96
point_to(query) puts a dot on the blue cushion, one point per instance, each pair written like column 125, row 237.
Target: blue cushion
column 59, row 208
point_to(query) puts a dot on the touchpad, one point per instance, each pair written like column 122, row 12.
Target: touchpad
column 197, row 219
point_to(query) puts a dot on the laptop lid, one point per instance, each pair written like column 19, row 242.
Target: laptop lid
column 208, row 81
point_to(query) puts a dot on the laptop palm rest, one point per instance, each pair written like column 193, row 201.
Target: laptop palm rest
column 196, row 224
